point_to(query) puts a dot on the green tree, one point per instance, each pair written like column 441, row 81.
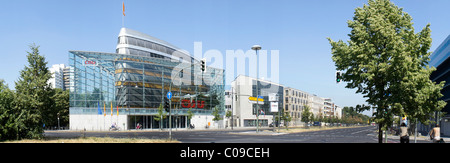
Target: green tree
column 60, row 107
column 352, row 115
column 7, row 114
column 190, row 115
column 33, row 96
column 161, row 115
column 286, row 118
column 385, row 60
column 216, row 114
column 307, row 115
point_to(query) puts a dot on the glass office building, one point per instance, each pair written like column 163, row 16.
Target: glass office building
column 126, row 88
column 441, row 60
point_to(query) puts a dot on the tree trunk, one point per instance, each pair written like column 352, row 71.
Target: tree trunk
column 380, row 133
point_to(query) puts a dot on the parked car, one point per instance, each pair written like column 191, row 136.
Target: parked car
column 317, row 124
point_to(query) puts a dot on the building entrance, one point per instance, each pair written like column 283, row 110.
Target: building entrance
column 149, row 122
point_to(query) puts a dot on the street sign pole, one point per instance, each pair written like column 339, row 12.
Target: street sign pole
column 169, row 96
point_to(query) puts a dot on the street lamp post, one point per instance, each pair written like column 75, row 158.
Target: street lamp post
column 256, row 48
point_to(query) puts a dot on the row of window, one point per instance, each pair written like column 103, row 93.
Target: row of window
column 296, row 100
column 297, row 94
column 138, row 53
column 144, row 44
column 295, row 107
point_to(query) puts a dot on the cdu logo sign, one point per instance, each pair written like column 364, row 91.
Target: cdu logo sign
column 90, row 62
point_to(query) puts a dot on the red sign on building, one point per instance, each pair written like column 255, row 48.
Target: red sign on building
column 194, row 104
column 90, row 63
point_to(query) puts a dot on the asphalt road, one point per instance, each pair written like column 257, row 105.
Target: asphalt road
column 343, row 135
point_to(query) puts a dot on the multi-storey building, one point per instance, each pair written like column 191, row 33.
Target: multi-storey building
column 317, row 105
column 290, row 100
column 66, row 77
column 57, row 80
column 294, row 102
column 244, row 110
column 127, row 88
column 441, row 60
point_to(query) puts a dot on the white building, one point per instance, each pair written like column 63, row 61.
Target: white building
column 290, row 100
column 244, row 111
column 331, row 109
column 317, row 105
column 57, row 80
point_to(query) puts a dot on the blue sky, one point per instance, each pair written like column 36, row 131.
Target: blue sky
column 297, row 28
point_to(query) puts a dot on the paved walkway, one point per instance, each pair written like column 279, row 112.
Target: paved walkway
column 411, row 139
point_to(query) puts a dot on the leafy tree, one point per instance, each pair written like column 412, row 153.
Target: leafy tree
column 7, row 129
column 307, row 115
column 286, row 118
column 351, row 115
column 33, row 96
column 228, row 114
column 60, row 107
column 216, row 114
column 190, row 115
column 161, row 115
column 386, row 61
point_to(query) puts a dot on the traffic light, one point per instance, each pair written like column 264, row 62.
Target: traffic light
column 166, row 104
column 338, row 76
column 203, row 63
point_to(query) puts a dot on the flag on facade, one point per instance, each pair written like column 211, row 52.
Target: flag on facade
column 117, row 110
column 99, row 110
column 104, row 109
column 111, row 109
column 123, row 8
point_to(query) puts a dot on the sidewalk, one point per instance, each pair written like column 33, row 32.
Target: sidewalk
column 411, row 138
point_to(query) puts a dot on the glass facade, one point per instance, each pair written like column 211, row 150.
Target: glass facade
column 264, row 89
column 128, row 40
column 441, row 60
column 441, row 53
column 136, row 43
column 137, row 85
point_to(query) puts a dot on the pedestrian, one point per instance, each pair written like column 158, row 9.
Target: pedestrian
column 404, row 137
column 435, row 134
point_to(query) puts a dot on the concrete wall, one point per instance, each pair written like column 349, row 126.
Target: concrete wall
column 201, row 121
column 102, row 123
column 96, row 122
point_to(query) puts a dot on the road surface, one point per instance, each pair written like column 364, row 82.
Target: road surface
column 366, row 134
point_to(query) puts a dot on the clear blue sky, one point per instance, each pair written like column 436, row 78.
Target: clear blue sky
column 297, row 28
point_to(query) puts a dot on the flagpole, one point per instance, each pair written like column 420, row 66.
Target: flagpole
column 123, row 14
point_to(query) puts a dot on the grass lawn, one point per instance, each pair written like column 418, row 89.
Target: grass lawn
column 94, row 140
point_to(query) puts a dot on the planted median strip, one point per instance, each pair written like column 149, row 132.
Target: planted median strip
column 96, row 140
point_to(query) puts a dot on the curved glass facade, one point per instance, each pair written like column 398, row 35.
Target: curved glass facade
column 138, row 84
column 140, row 44
column 133, row 82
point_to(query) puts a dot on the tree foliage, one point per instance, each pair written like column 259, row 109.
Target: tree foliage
column 7, row 115
column 386, row 61
column 307, row 115
column 216, row 114
column 32, row 98
column 24, row 112
column 352, row 115
column 59, row 107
